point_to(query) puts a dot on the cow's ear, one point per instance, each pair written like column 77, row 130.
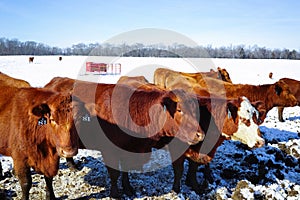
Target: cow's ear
column 169, row 105
column 278, row 89
column 232, row 110
column 41, row 110
column 261, row 108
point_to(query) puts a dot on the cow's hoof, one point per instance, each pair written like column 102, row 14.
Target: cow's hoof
column 193, row 185
column 115, row 194
column 203, row 186
column 176, row 189
column 190, row 183
column 128, row 190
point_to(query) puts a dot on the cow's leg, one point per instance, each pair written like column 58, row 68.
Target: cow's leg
column 71, row 163
column 114, row 175
column 128, row 190
column 24, row 176
column 280, row 112
column 178, row 170
column 191, row 179
column 207, row 173
column 49, row 188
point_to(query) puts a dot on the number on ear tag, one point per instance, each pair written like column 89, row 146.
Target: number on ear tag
column 42, row 121
column 86, row 118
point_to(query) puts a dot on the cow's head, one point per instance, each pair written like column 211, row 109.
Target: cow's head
column 241, row 123
column 281, row 95
column 224, row 75
column 262, row 112
column 183, row 115
column 59, row 115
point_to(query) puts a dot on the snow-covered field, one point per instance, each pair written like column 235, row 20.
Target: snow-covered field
column 270, row 172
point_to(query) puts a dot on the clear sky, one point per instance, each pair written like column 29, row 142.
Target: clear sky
column 62, row 23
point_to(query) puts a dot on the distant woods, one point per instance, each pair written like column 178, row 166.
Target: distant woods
column 16, row 47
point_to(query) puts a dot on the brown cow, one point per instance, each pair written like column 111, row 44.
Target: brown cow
column 277, row 94
column 220, row 119
column 60, row 58
column 224, row 75
column 37, row 131
column 168, row 78
column 30, row 59
column 13, row 81
column 133, row 120
column 221, row 74
column 294, row 86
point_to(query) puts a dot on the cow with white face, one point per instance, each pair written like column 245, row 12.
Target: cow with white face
column 248, row 131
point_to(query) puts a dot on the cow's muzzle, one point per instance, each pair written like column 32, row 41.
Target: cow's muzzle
column 67, row 152
column 198, row 138
column 260, row 143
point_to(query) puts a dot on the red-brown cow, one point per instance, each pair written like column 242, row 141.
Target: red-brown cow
column 37, row 126
column 221, row 74
column 277, row 94
column 294, row 86
column 168, row 78
column 133, row 120
column 30, row 59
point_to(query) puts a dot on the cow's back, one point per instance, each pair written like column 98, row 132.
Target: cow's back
column 61, row 84
column 6, row 97
column 13, row 81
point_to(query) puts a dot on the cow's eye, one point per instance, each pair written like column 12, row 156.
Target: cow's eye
column 52, row 121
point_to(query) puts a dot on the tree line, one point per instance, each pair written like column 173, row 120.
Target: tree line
column 16, row 47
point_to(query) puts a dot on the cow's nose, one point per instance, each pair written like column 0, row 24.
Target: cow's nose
column 199, row 136
column 260, row 143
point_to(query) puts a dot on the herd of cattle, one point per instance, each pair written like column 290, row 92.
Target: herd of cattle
column 191, row 113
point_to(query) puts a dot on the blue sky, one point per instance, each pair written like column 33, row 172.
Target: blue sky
column 62, row 23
